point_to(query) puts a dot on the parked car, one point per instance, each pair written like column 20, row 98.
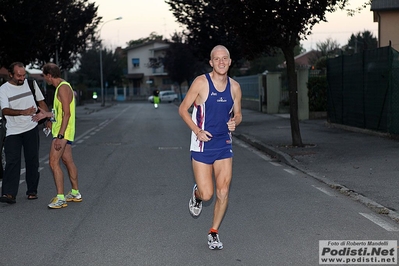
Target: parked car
column 165, row 96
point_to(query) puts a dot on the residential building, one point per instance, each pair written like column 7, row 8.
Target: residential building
column 386, row 13
column 145, row 70
column 304, row 60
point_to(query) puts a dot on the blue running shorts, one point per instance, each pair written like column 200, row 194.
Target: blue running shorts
column 209, row 157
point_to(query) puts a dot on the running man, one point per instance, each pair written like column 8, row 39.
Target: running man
column 216, row 100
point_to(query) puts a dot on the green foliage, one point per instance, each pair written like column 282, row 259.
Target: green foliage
column 317, row 93
column 327, row 47
column 41, row 31
column 89, row 68
column 180, row 61
column 362, row 41
column 260, row 64
column 250, row 28
column 321, row 63
column 153, row 37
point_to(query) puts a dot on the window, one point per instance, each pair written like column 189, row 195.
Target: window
column 136, row 62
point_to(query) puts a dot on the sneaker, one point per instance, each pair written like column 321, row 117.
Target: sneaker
column 70, row 197
column 57, row 203
column 195, row 205
column 214, row 241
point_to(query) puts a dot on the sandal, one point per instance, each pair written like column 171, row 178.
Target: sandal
column 32, row 196
column 8, row 199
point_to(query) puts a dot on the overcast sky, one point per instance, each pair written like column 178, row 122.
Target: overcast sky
column 141, row 17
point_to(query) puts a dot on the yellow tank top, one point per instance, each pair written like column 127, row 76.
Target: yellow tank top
column 58, row 113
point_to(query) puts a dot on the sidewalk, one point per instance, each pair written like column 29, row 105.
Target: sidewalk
column 359, row 163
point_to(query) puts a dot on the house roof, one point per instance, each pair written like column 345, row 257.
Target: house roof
column 302, row 60
column 146, row 44
column 379, row 5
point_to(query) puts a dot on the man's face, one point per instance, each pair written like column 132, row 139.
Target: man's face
column 19, row 76
column 220, row 61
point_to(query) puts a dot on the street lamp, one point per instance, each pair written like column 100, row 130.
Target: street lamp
column 101, row 61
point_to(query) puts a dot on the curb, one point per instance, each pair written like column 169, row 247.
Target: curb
column 285, row 158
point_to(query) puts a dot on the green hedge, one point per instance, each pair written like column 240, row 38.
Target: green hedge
column 317, row 93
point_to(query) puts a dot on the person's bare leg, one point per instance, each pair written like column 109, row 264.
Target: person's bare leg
column 203, row 179
column 67, row 159
column 54, row 162
column 223, row 174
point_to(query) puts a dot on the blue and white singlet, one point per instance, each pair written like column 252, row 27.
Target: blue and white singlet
column 213, row 116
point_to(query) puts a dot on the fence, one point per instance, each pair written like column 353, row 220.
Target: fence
column 249, row 86
column 363, row 90
column 252, row 91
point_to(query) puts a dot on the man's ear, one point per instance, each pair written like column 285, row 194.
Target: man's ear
column 210, row 62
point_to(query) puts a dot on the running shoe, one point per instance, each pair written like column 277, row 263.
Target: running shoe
column 57, row 203
column 70, row 197
column 214, row 241
column 195, row 205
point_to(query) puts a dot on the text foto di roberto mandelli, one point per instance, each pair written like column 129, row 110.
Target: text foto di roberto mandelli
column 358, row 251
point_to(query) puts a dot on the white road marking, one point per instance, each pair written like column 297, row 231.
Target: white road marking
column 259, row 153
column 265, row 157
column 240, row 143
column 323, row 190
column 380, row 222
column 275, row 164
column 292, row 172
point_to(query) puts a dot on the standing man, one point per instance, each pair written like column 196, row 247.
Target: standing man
column 63, row 131
column 216, row 112
column 18, row 105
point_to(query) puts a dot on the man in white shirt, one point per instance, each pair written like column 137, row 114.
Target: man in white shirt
column 18, row 106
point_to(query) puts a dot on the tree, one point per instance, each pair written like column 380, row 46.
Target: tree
column 42, row 31
column 328, row 46
column 153, row 37
column 352, row 12
column 362, row 41
column 113, row 65
column 325, row 49
column 262, row 62
column 180, row 61
column 255, row 27
column 207, row 28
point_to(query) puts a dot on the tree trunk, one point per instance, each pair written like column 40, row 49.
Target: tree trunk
column 293, row 97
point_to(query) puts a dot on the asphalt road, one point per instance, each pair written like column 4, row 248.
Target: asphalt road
column 135, row 178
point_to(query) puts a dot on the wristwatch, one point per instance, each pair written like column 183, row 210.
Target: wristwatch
column 59, row 136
